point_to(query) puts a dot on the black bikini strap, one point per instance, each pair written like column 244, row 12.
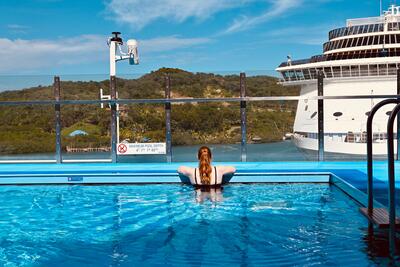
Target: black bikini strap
column 216, row 177
column 195, row 176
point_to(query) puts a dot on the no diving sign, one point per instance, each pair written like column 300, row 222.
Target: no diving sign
column 141, row 149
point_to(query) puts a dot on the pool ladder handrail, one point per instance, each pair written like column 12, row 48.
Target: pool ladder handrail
column 391, row 176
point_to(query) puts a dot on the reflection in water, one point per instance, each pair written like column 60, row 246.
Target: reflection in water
column 377, row 246
column 211, row 194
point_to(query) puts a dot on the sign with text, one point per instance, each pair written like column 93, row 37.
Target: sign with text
column 141, row 148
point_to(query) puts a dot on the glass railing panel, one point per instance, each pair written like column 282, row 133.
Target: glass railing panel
column 27, row 132
column 216, row 125
column 141, row 125
column 345, row 127
column 272, row 136
column 85, row 133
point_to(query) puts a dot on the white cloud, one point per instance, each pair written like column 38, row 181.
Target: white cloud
column 168, row 43
column 139, row 13
column 17, row 27
column 22, row 56
column 278, row 8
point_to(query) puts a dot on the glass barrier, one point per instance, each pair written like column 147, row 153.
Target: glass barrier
column 141, row 124
column 277, row 130
column 85, row 132
column 27, row 132
column 216, row 125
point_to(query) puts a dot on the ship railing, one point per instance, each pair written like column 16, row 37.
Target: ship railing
column 243, row 99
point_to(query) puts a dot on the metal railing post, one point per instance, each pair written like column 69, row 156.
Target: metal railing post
column 168, row 136
column 398, row 119
column 391, row 188
column 57, row 110
column 113, row 128
column 243, row 120
column 321, row 134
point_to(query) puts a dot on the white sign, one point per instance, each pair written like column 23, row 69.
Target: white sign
column 141, row 148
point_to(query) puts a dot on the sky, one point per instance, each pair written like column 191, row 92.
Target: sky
column 61, row 37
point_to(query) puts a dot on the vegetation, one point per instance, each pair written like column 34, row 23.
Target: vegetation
column 30, row 129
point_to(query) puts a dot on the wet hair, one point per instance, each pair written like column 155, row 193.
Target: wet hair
column 204, row 156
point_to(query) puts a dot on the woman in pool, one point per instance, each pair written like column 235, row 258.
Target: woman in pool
column 206, row 176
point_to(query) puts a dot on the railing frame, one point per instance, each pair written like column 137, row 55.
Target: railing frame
column 167, row 101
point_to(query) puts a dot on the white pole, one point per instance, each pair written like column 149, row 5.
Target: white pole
column 113, row 70
column 113, row 51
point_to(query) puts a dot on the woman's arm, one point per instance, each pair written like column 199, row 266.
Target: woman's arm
column 227, row 169
column 188, row 172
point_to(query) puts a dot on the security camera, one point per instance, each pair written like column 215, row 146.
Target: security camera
column 133, row 51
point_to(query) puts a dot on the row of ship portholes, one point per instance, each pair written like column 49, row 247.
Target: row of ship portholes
column 339, row 114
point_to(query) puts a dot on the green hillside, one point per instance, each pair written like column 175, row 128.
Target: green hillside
column 30, row 129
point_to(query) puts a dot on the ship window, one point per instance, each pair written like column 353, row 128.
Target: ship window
column 313, row 115
column 365, row 28
column 376, row 40
column 370, row 40
column 306, row 74
column 355, row 71
column 376, row 27
column 392, row 69
column 337, row 114
column 341, row 44
column 381, row 27
column 397, row 38
column 364, row 70
column 365, row 40
column 345, row 71
column 382, row 69
column 313, row 74
column 299, row 74
column 371, row 28
column 359, row 41
column 345, row 43
column 336, row 71
column 328, row 72
column 387, row 40
column 373, row 70
column 381, row 37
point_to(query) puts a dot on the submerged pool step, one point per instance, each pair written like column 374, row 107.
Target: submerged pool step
column 379, row 217
column 115, row 177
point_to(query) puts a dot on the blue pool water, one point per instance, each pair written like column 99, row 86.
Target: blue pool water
column 173, row 225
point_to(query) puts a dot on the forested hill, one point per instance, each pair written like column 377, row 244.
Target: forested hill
column 26, row 129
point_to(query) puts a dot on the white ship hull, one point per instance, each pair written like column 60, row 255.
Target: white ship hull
column 344, row 117
column 340, row 147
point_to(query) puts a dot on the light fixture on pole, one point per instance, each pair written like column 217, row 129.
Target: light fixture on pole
column 116, row 54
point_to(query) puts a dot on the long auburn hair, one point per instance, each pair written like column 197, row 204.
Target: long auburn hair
column 204, row 155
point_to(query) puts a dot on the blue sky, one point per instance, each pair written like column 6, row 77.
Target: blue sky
column 69, row 36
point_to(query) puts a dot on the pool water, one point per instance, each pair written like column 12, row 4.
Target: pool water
column 173, row 225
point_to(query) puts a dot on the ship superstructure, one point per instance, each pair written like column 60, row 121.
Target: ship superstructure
column 359, row 59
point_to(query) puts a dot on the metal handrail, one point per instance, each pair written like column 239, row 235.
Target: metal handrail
column 191, row 100
column 369, row 149
column 391, row 178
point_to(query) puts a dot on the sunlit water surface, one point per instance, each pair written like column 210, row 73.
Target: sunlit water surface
column 173, row 225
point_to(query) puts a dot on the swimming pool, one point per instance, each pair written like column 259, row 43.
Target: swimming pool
column 173, row 225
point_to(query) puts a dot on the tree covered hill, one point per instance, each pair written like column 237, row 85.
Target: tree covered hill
column 30, row 129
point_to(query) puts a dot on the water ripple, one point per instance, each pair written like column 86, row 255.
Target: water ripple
column 172, row 225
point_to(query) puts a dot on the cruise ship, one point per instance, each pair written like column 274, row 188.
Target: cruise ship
column 359, row 59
